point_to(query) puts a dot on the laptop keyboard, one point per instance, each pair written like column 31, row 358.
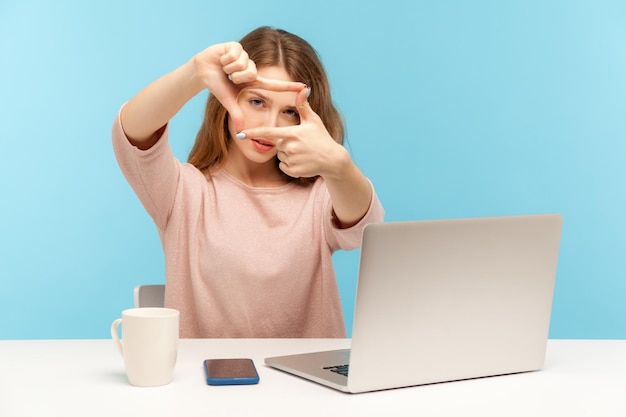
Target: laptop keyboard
column 340, row 369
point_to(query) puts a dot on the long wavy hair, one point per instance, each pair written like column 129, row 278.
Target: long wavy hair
column 268, row 46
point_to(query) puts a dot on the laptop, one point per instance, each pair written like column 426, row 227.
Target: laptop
column 444, row 300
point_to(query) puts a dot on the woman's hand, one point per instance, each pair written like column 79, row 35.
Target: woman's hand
column 225, row 69
column 145, row 116
column 306, row 149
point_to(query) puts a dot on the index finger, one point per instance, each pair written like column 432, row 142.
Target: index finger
column 276, row 85
column 268, row 134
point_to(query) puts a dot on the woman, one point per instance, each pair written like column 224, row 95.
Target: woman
column 248, row 226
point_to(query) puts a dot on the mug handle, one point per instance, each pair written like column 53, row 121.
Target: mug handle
column 115, row 335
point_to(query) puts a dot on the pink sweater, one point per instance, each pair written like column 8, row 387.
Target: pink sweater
column 241, row 261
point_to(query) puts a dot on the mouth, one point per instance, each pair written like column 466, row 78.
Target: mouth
column 262, row 142
column 262, row 145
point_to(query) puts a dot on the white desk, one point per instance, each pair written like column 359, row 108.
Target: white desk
column 86, row 378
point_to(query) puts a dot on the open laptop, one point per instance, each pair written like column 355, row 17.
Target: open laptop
column 444, row 300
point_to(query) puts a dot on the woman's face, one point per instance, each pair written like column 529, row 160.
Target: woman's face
column 264, row 108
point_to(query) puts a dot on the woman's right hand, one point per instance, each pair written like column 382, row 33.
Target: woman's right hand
column 145, row 116
column 225, row 69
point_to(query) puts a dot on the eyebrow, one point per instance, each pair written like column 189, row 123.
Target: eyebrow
column 257, row 93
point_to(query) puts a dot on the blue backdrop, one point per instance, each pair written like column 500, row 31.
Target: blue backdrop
column 453, row 108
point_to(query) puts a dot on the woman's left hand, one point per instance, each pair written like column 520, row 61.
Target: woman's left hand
column 306, row 149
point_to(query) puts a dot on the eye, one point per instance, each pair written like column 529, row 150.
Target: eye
column 255, row 102
column 292, row 113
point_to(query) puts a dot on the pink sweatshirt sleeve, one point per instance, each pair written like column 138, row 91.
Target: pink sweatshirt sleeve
column 349, row 239
column 153, row 174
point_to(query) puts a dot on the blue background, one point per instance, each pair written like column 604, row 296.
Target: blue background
column 453, row 108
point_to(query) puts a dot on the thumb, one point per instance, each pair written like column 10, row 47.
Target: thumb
column 302, row 103
column 237, row 118
column 232, row 107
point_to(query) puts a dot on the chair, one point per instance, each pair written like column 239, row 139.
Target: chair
column 150, row 295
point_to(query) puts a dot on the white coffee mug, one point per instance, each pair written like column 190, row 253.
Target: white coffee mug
column 149, row 344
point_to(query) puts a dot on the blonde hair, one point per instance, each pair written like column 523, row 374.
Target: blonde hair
column 269, row 47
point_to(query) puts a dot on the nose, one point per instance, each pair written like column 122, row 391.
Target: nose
column 272, row 119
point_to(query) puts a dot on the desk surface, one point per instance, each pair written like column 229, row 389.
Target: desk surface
column 86, row 377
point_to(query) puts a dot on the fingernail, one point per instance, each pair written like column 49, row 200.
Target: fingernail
column 308, row 92
column 230, row 77
column 240, row 135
